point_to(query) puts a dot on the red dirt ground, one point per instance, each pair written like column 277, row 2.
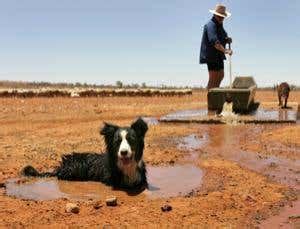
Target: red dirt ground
column 37, row 131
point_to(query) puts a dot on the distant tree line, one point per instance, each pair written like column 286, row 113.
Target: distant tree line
column 42, row 84
column 118, row 84
column 36, row 84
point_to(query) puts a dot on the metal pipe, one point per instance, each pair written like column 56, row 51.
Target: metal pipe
column 230, row 72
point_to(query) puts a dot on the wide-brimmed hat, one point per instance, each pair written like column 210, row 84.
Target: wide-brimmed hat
column 220, row 10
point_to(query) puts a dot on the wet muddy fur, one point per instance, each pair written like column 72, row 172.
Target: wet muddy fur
column 117, row 167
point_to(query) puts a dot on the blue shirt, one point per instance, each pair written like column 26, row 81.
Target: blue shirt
column 213, row 32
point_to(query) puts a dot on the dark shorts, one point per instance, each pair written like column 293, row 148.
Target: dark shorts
column 215, row 66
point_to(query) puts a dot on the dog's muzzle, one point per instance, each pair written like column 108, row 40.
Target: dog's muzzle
column 125, row 158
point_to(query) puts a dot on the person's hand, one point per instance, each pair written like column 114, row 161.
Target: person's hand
column 228, row 51
column 228, row 40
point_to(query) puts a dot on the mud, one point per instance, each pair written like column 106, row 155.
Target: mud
column 164, row 182
column 288, row 217
column 226, row 141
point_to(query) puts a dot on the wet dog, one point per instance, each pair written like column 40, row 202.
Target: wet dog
column 283, row 91
column 121, row 167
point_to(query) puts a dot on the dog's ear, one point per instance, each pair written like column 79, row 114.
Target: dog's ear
column 140, row 127
column 108, row 129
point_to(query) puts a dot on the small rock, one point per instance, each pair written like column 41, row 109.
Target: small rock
column 294, row 217
column 2, row 185
column 111, row 201
column 250, row 198
column 166, row 208
column 172, row 161
column 259, row 217
column 273, row 165
column 71, row 207
column 281, row 204
column 204, row 194
column 98, row 205
column 22, row 181
column 233, row 184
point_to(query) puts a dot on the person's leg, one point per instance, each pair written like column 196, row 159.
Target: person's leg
column 220, row 77
column 213, row 78
column 213, row 75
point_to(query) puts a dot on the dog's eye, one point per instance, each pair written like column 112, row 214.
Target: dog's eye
column 131, row 138
column 117, row 138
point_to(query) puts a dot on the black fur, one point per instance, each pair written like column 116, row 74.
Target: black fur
column 103, row 167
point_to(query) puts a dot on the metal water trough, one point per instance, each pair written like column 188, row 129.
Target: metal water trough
column 242, row 94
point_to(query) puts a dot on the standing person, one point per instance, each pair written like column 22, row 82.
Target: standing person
column 213, row 43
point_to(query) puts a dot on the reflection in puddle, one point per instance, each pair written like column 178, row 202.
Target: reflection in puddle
column 287, row 218
column 163, row 182
column 173, row 181
column 185, row 114
column 282, row 115
column 37, row 189
column 192, row 142
column 226, row 140
column 281, row 170
column 151, row 120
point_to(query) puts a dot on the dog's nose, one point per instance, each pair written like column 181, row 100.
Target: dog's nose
column 124, row 152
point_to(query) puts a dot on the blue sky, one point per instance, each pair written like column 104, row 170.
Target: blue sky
column 135, row 41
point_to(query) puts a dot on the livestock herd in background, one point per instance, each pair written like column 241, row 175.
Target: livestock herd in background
column 91, row 92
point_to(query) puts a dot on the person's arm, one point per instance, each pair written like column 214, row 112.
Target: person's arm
column 221, row 48
column 228, row 40
column 213, row 39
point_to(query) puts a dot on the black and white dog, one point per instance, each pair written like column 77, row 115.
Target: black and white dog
column 121, row 167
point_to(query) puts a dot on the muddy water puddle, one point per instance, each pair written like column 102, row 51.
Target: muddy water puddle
column 163, row 182
column 280, row 115
column 173, row 181
column 226, row 141
column 185, row 114
column 288, row 218
column 263, row 115
column 191, row 144
column 151, row 120
column 284, row 171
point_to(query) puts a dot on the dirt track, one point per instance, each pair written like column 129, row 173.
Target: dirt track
column 235, row 192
